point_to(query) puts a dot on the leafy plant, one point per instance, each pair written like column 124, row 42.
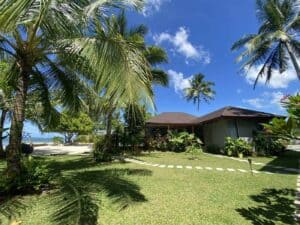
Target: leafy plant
column 237, row 147
column 269, row 145
column 178, row 142
column 57, row 140
column 100, row 152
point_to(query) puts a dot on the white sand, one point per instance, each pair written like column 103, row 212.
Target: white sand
column 62, row 150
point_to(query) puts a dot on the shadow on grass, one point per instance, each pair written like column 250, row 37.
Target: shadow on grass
column 274, row 206
column 76, row 199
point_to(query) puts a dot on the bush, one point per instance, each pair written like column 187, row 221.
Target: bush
column 237, row 147
column 57, row 140
column 178, row 142
column 101, row 152
column 194, row 150
column 268, row 145
column 85, row 139
column 35, row 176
column 214, row 149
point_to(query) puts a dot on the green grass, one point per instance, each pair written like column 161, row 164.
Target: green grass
column 126, row 193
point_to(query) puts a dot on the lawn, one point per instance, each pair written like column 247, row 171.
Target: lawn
column 128, row 193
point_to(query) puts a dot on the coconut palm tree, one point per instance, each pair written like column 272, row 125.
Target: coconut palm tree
column 60, row 46
column 277, row 40
column 153, row 54
column 199, row 89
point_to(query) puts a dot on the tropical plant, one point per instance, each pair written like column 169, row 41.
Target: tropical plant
column 199, row 89
column 277, row 40
column 58, row 46
column 179, row 142
column 237, row 147
column 58, row 140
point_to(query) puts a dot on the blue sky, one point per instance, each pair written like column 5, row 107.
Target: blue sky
column 198, row 34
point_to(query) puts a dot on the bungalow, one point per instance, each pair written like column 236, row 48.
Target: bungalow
column 214, row 127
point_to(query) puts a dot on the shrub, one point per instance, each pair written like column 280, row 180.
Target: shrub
column 269, row 145
column 237, row 147
column 57, row 140
column 101, row 153
column 178, row 142
column 85, row 139
column 194, row 150
column 35, row 176
column 214, row 149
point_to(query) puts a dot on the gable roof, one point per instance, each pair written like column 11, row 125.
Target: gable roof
column 172, row 118
column 178, row 118
column 230, row 111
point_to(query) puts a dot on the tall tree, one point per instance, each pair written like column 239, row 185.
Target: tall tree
column 58, row 46
column 277, row 41
column 199, row 89
column 153, row 54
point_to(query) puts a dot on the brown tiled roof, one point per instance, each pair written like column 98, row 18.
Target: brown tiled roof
column 172, row 118
column 231, row 111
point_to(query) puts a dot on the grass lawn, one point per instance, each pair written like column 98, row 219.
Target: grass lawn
column 127, row 193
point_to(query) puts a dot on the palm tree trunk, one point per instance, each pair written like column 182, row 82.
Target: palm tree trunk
column 109, row 129
column 13, row 153
column 2, row 120
column 293, row 58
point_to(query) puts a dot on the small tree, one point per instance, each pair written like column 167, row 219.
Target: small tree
column 71, row 125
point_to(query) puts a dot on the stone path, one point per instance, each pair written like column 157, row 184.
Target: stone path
column 297, row 201
column 287, row 169
column 231, row 170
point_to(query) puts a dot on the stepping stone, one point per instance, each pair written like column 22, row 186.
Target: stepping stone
column 219, row 169
column 199, row 168
column 255, row 171
column 297, row 202
column 298, row 189
column 243, row 171
column 155, row 165
column 170, row 166
column 189, row 167
column 257, row 163
column 231, row 170
column 162, row 166
column 208, row 168
column 179, row 167
column 291, row 169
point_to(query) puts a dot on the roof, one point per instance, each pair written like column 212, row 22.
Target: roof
column 172, row 118
column 178, row 118
column 230, row 111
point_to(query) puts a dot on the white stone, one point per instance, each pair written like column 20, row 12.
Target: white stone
column 199, row 168
column 220, row 169
column 257, row 163
column 170, row 166
column 162, row 166
column 243, row 171
column 255, row 171
column 179, row 167
column 208, row 168
column 297, row 202
column 189, row 167
column 231, row 170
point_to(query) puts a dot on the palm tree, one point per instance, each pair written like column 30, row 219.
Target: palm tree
column 277, row 41
column 58, row 46
column 153, row 54
column 199, row 89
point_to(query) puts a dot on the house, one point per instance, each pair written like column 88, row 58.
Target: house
column 214, row 127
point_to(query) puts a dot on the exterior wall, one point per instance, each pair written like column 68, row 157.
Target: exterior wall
column 215, row 132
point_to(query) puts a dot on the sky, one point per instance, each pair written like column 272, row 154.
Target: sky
column 198, row 35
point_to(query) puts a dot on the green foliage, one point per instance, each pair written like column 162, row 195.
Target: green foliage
column 72, row 125
column 178, row 142
column 199, row 89
column 214, row 149
column 57, row 140
column 100, row 152
column 85, row 139
column 275, row 44
column 35, row 175
column 269, row 145
column 237, row 147
column 193, row 150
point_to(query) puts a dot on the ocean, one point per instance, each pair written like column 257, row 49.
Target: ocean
column 44, row 140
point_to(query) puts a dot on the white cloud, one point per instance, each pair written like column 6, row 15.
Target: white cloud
column 267, row 100
column 152, row 6
column 179, row 81
column 183, row 46
column 278, row 80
